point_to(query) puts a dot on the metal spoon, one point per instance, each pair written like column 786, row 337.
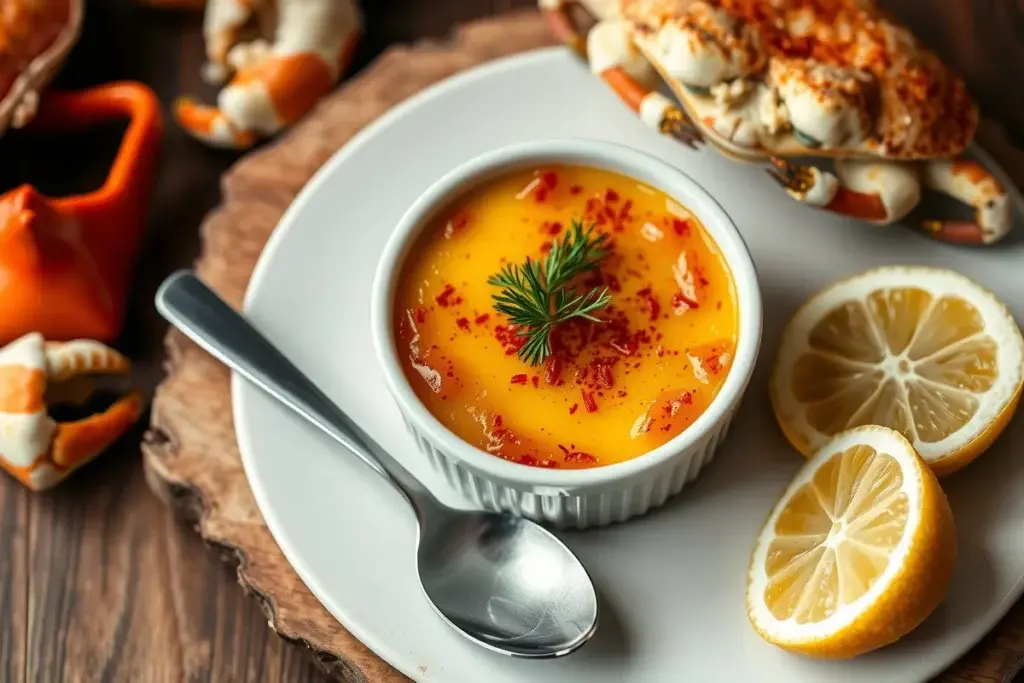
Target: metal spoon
column 502, row 581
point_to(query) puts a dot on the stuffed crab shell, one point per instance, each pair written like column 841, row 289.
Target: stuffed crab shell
column 828, row 77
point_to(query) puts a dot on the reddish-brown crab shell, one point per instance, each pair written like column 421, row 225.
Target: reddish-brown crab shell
column 767, row 81
column 35, row 38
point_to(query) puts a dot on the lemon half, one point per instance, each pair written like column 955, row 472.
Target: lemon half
column 924, row 351
column 858, row 551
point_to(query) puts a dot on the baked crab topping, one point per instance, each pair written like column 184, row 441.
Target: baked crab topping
column 828, row 106
column 773, row 80
column 706, row 47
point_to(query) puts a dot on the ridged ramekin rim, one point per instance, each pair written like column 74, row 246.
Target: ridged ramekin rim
column 611, row 156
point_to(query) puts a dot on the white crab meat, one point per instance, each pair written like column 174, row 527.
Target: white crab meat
column 826, row 104
column 771, row 110
column 705, row 48
column 610, row 45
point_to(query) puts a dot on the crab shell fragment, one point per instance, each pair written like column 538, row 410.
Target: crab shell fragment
column 35, row 38
column 36, row 449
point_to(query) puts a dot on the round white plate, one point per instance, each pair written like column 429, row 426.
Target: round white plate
column 672, row 583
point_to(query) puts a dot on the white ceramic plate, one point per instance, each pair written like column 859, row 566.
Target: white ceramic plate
column 671, row 583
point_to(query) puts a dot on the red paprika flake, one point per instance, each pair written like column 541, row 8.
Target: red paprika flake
column 588, row 401
column 535, row 380
column 527, row 459
column 649, row 303
column 611, row 195
column 612, row 282
column 624, row 211
column 463, row 323
column 604, row 376
column 552, row 368
column 540, row 194
column 550, row 179
column 681, row 226
column 518, row 379
column 573, row 408
column 575, row 189
column 421, row 316
column 482, row 318
column 442, row 298
column 679, row 299
column 508, row 338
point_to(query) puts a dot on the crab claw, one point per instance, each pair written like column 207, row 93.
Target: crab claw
column 37, row 381
column 970, row 183
column 877, row 192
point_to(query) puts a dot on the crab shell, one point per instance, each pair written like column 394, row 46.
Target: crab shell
column 34, row 448
column 830, row 78
column 35, row 38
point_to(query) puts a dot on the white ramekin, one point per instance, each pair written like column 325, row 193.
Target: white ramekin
column 584, row 497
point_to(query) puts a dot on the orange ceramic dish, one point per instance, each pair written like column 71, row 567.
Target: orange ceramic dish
column 611, row 390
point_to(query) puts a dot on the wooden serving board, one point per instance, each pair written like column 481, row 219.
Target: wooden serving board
column 190, row 453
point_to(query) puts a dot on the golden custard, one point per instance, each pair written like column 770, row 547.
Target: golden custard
column 610, row 390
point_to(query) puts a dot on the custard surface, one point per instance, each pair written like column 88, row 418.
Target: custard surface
column 611, row 390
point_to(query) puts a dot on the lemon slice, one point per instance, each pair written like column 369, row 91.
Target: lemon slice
column 924, row 351
column 858, row 551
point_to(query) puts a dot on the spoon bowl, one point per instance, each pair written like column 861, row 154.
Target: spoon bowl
column 508, row 581
column 502, row 581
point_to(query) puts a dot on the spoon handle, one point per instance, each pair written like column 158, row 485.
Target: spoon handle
column 195, row 309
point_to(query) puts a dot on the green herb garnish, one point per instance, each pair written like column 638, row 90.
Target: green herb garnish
column 536, row 299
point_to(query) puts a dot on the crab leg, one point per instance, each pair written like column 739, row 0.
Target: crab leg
column 612, row 55
column 873, row 191
column 79, row 441
column 274, row 84
column 970, row 183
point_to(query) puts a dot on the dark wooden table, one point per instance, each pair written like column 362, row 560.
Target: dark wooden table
column 98, row 582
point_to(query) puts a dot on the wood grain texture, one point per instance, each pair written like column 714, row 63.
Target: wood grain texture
column 190, row 453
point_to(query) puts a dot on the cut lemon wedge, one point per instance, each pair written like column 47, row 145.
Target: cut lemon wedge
column 924, row 351
column 858, row 551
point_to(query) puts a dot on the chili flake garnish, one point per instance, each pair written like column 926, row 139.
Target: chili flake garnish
column 442, row 298
column 588, row 401
column 518, row 379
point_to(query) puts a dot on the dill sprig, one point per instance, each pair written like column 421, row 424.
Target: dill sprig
column 535, row 298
